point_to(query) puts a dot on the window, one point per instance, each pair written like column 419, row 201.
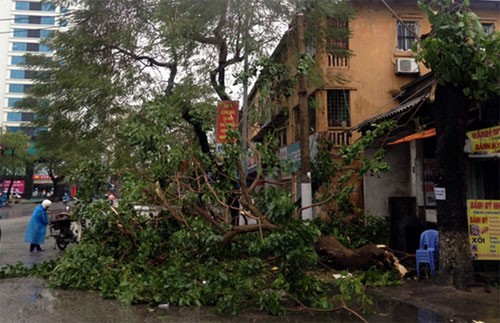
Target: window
column 19, row 88
column 21, row 19
column 48, row 7
column 36, row 20
column 48, row 20
column 281, row 136
column 17, row 60
column 20, row 33
column 34, row 6
column 13, row 129
column 22, row 5
column 12, row 102
column 407, row 35
column 21, row 74
column 338, row 43
column 30, row 47
column 489, row 28
column 14, row 116
column 27, row 130
column 31, row 33
column 45, row 33
column 20, row 116
column 338, row 107
column 19, row 47
column 16, row 88
column 17, row 74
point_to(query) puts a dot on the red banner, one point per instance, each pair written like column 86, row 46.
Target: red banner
column 227, row 117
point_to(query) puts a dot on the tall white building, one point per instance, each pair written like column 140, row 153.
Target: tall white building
column 23, row 24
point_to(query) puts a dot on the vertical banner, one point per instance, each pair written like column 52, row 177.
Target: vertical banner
column 484, row 229
column 227, row 117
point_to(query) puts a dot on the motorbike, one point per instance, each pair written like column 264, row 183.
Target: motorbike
column 64, row 229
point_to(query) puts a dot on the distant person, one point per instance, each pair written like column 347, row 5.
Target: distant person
column 66, row 198
column 35, row 234
column 111, row 198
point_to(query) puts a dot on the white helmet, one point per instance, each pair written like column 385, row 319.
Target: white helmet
column 46, row 203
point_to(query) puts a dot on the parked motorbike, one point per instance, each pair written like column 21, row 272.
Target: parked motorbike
column 64, row 229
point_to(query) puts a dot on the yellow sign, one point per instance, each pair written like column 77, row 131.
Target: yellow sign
column 484, row 229
column 485, row 141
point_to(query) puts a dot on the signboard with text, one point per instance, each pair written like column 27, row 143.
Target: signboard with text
column 17, row 186
column 485, row 141
column 227, row 118
column 484, row 229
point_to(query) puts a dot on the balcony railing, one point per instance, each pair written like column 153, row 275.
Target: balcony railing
column 338, row 136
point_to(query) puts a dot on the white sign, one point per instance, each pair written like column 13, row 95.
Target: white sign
column 440, row 193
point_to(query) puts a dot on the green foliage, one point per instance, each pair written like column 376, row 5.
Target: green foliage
column 357, row 151
column 14, row 155
column 136, row 260
column 92, row 177
column 459, row 51
column 352, row 290
column 376, row 277
column 356, row 233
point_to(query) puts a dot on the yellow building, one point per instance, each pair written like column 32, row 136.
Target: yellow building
column 381, row 64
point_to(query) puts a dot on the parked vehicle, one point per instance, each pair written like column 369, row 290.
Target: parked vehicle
column 64, row 229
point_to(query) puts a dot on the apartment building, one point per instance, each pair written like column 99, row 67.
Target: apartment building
column 23, row 26
column 382, row 64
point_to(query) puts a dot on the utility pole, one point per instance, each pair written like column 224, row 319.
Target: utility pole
column 305, row 156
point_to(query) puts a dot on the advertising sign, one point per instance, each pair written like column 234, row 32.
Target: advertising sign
column 484, row 228
column 430, row 166
column 17, row 186
column 227, row 117
column 485, row 141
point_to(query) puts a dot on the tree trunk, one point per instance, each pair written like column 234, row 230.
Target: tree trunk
column 451, row 114
column 363, row 258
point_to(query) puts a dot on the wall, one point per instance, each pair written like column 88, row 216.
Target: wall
column 396, row 182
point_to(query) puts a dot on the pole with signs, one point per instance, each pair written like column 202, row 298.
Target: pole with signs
column 305, row 159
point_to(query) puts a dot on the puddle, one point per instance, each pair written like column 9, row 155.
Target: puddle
column 29, row 300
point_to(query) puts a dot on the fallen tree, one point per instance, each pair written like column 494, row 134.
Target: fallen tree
column 363, row 258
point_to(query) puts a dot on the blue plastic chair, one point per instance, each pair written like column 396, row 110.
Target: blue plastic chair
column 428, row 252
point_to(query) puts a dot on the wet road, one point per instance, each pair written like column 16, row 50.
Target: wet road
column 29, row 300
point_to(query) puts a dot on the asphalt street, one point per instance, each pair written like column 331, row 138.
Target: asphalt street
column 29, row 299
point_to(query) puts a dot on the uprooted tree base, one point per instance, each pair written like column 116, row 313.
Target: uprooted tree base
column 363, row 258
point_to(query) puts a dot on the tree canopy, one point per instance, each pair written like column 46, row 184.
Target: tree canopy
column 465, row 62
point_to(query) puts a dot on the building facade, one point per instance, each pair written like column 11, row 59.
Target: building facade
column 362, row 86
column 23, row 26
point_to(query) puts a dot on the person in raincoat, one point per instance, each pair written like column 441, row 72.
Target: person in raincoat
column 35, row 234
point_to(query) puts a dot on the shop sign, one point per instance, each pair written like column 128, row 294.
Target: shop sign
column 291, row 153
column 17, row 186
column 485, row 141
column 227, row 118
column 484, row 229
column 41, row 179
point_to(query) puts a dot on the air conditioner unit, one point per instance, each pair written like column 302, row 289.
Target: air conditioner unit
column 406, row 66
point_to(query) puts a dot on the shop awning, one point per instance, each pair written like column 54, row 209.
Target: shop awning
column 419, row 135
column 402, row 108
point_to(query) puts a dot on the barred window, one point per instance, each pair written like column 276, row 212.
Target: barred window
column 338, row 107
column 406, row 35
column 489, row 28
column 338, row 43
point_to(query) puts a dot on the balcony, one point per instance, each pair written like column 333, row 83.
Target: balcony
column 338, row 136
